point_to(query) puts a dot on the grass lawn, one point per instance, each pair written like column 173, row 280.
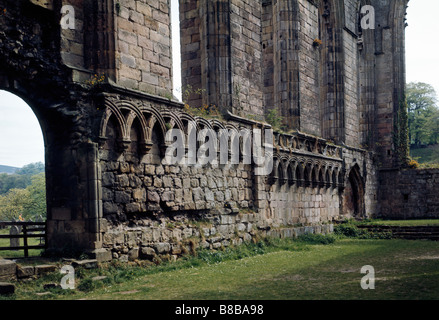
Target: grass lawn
column 404, row 270
column 18, row 253
column 426, row 156
column 403, row 223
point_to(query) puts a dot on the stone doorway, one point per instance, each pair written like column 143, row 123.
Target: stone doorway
column 353, row 195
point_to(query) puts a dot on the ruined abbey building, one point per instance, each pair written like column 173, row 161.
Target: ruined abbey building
column 102, row 93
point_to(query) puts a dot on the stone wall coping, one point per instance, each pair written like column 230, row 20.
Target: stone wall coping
column 112, row 87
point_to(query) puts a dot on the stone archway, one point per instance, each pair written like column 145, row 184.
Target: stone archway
column 32, row 67
column 73, row 209
column 353, row 195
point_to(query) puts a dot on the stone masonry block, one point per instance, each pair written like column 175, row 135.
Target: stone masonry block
column 7, row 269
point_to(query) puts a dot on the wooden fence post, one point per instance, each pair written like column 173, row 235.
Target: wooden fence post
column 26, row 250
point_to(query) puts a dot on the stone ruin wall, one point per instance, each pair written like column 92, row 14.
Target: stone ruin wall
column 150, row 208
column 258, row 55
column 409, row 194
column 143, row 46
column 107, row 186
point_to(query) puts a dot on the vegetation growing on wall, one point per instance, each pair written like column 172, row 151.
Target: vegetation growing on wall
column 204, row 111
column 275, row 119
column 401, row 135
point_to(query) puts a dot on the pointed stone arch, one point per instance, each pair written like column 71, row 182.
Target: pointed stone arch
column 291, row 172
column 334, row 178
column 111, row 111
column 299, row 174
column 353, row 195
column 71, row 165
column 321, row 178
column 283, row 173
column 327, row 177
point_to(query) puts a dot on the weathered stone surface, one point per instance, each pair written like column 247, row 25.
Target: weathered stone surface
column 162, row 247
column 338, row 98
column 409, row 194
column 7, row 269
column 86, row 264
column 101, row 255
column 44, row 269
column 139, row 195
column 122, row 197
column 147, row 252
column 133, row 254
column 153, row 196
column 133, row 207
column 25, row 271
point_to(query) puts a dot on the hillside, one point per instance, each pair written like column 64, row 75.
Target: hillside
column 8, row 169
column 428, row 155
column 18, row 178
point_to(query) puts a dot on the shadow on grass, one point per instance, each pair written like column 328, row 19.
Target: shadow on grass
column 399, row 274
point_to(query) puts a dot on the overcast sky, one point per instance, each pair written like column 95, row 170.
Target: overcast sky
column 21, row 140
column 422, row 48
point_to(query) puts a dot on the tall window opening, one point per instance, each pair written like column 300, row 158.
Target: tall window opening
column 176, row 51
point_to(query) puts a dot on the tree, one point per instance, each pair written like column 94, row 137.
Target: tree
column 12, row 204
column 21, row 178
column 433, row 125
column 422, row 113
column 36, row 205
column 13, row 181
column 31, row 169
column 30, row 203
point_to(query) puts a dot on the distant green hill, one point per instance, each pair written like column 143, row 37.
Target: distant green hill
column 18, row 178
column 8, row 169
column 428, row 155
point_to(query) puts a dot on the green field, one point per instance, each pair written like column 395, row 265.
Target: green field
column 18, row 253
column 282, row 270
column 402, row 223
column 426, row 156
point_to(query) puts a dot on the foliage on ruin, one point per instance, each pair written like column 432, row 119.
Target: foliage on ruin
column 204, row 111
column 275, row 120
column 401, row 135
column 96, row 80
column 413, row 164
column 207, row 111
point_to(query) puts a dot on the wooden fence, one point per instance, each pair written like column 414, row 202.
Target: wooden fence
column 28, row 230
